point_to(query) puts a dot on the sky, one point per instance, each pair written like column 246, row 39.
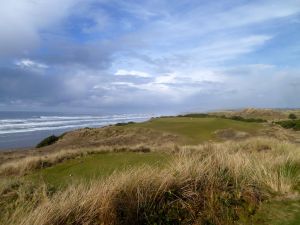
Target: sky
column 154, row 56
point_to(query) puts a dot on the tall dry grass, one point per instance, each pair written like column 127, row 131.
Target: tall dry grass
column 207, row 184
column 19, row 197
column 28, row 164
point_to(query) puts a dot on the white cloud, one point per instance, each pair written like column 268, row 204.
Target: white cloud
column 231, row 47
column 132, row 73
column 169, row 79
column 30, row 64
column 155, row 51
column 23, row 21
column 252, row 13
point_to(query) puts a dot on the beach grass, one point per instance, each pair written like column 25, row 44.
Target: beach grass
column 214, row 183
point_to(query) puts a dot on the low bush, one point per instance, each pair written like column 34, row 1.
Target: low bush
column 290, row 124
column 48, row 141
column 124, row 124
column 292, row 116
column 251, row 120
column 196, row 115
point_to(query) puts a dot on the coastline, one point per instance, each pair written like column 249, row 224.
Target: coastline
column 22, row 131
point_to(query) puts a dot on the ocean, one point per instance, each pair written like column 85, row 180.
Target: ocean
column 26, row 129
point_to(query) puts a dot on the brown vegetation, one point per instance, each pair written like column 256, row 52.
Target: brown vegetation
column 113, row 136
column 231, row 134
column 268, row 114
column 102, row 139
column 205, row 184
column 27, row 164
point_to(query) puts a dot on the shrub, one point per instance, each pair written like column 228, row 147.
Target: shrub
column 195, row 115
column 124, row 124
column 250, row 120
column 292, row 116
column 290, row 124
column 48, row 141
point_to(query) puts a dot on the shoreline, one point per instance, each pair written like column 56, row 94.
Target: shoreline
column 20, row 131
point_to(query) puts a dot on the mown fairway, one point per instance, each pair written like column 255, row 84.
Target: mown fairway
column 197, row 130
column 96, row 166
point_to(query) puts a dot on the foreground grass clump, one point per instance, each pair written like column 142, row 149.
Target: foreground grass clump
column 18, row 197
column 149, row 197
column 206, row 184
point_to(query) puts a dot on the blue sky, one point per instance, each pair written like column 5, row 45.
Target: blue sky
column 148, row 56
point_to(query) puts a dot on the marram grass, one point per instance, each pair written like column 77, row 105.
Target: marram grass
column 206, row 184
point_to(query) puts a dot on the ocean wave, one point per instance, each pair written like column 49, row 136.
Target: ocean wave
column 66, row 118
column 31, row 123
column 42, row 123
column 48, row 128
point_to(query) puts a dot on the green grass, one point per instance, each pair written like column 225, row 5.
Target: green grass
column 279, row 212
column 197, row 130
column 96, row 166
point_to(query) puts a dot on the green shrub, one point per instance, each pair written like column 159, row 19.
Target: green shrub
column 124, row 124
column 292, row 116
column 250, row 120
column 290, row 124
column 47, row 141
column 195, row 115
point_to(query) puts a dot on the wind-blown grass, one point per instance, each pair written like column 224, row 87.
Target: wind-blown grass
column 206, row 184
column 25, row 165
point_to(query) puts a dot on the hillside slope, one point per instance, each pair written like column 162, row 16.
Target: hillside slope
column 267, row 114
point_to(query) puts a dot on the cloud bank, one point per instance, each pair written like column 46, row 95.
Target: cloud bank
column 155, row 56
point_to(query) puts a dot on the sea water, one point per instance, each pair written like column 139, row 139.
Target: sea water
column 26, row 129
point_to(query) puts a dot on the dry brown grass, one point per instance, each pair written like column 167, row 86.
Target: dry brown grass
column 19, row 197
column 30, row 163
column 82, row 142
column 205, row 184
column 113, row 136
column 267, row 114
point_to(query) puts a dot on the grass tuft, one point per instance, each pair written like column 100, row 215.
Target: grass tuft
column 206, row 184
